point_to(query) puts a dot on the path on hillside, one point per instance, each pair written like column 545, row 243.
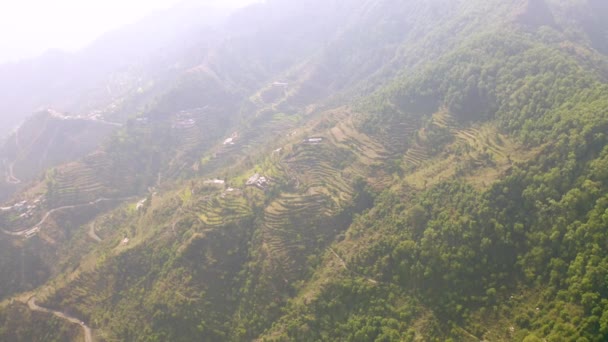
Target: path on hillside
column 50, row 212
column 373, row 281
column 92, row 234
column 9, row 175
column 88, row 336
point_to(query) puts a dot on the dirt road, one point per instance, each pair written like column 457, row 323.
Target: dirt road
column 88, row 336
column 92, row 234
column 37, row 226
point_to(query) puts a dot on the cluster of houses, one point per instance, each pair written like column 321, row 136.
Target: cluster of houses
column 24, row 208
column 221, row 183
column 233, row 137
column 258, row 181
column 229, row 191
column 184, row 120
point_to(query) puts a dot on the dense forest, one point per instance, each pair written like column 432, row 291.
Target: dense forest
column 346, row 171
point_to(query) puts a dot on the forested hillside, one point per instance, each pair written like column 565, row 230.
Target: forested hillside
column 338, row 171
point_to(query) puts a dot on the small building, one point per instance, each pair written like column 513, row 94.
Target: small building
column 313, row 140
column 258, row 181
column 32, row 232
column 230, row 141
column 253, row 179
column 140, row 204
column 214, row 182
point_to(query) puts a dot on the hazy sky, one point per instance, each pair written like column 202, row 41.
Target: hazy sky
column 30, row 27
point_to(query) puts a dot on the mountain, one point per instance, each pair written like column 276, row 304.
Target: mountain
column 108, row 82
column 330, row 171
column 118, row 68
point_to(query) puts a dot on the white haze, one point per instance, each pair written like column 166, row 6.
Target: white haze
column 30, row 27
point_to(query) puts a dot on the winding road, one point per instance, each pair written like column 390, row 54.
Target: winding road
column 88, row 336
column 37, row 226
column 92, row 233
column 9, row 175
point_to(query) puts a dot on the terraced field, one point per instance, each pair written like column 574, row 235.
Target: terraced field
column 373, row 150
column 444, row 119
column 76, row 183
column 484, row 139
column 96, row 175
column 220, row 210
column 416, row 155
column 269, row 127
column 194, row 131
column 323, row 170
column 421, row 150
column 346, row 135
column 288, row 230
column 479, row 154
column 320, row 177
column 312, row 173
column 318, row 168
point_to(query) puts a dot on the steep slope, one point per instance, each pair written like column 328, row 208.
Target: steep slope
column 480, row 259
column 450, row 186
column 49, row 139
